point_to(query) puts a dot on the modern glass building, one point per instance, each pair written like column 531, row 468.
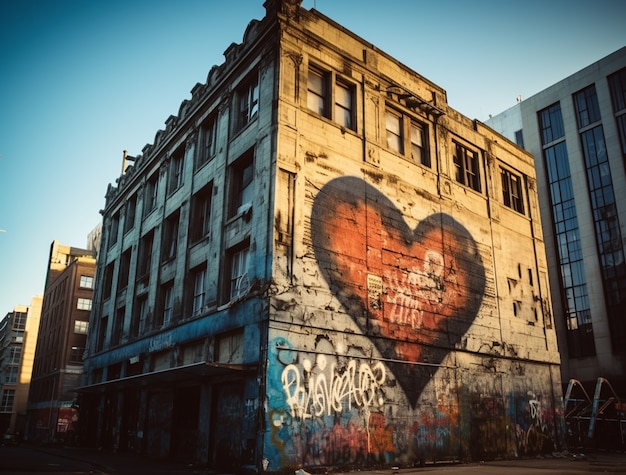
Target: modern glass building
column 576, row 129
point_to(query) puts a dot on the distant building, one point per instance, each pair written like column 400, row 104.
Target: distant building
column 576, row 129
column 58, row 365
column 319, row 262
column 18, row 338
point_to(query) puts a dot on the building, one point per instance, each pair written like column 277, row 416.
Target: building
column 576, row 129
column 18, row 337
column 58, row 365
column 320, row 262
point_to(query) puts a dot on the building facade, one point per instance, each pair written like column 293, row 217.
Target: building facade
column 18, row 338
column 319, row 262
column 576, row 129
column 58, row 362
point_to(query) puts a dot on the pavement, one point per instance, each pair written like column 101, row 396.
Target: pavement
column 563, row 463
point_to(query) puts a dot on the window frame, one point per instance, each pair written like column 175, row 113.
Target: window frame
column 247, row 101
column 146, row 251
column 84, row 304
column 238, row 265
column 467, row 166
column 201, row 213
column 404, row 136
column 130, row 213
column 166, row 313
column 175, row 170
column 199, row 290
column 208, row 140
column 151, row 193
column 169, row 240
column 241, row 181
column 86, row 281
column 328, row 101
column 81, row 327
column 511, row 183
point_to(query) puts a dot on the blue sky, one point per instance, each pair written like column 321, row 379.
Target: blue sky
column 83, row 80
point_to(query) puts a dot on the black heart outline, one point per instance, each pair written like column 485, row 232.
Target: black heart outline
column 356, row 192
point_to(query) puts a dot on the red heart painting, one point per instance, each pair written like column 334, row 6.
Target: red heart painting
column 414, row 292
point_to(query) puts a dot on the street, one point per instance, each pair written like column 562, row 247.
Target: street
column 31, row 460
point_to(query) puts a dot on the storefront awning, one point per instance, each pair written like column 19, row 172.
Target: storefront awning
column 168, row 377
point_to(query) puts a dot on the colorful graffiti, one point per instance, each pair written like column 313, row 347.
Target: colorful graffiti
column 415, row 291
column 412, row 294
column 332, row 389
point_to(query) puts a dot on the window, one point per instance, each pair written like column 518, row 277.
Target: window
column 118, row 326
column 512, row 190
column 108, row 280
column 199, row 290
column 122, row 278
column 86, row 282
column 167, row 304
column 19, row 321
column 467, row 168
column 81, row 327
column 151, row 194
column 321, row 97
column 145, row 255
column 344, row 107
column 239, row 282
column 617, row 83
column 76, row 354
column 139, row 317
column 406, row 135
column 200, row 223
column 208, row 140
column 575, row 296
column 175, row 170
column 115, row 225
column 393, row 123
column 12, row 373
column 170, row 237
column 102, row 332
column 131, row 207
column 84, row 304
column 587, row 107
column 6, row 404
column 604, row 206
column 241, row 175
column 15, row 355
column 247, row 102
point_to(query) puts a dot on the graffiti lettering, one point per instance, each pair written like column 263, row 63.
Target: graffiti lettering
column 312, row 394
column 413, row 289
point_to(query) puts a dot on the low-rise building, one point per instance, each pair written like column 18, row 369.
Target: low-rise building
column 320, row 262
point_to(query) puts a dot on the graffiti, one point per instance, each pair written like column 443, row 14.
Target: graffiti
column 313, row 394
column 412, row 292
column 433, row 276
column 534, row 427
column 409, row 290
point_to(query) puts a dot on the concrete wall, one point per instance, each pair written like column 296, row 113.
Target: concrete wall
column 411, row 315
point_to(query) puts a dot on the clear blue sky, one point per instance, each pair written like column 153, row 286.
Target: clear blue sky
column 82, row 80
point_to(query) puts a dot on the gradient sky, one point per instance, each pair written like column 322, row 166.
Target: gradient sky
column 83, row 80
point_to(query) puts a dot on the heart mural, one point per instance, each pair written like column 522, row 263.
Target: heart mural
column 414, row 292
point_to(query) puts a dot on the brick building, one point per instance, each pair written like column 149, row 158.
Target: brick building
column 58, row 365
column 319, row 262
